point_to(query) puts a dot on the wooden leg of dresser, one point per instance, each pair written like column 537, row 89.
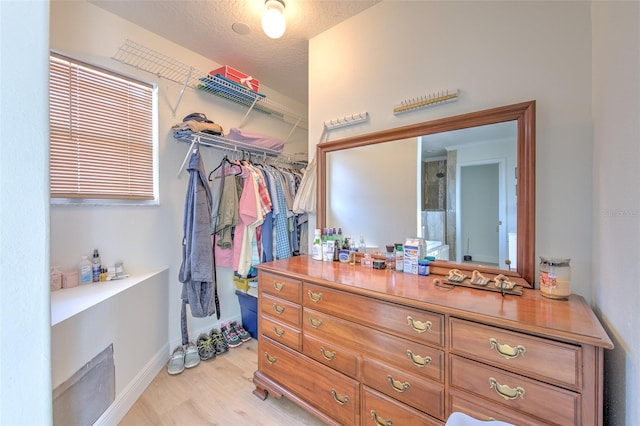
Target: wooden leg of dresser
column 263, row 389
column 260, row 393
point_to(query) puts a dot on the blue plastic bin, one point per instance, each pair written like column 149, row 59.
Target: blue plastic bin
column 249, row 312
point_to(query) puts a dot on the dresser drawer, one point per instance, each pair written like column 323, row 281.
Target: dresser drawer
column 417, row 358
column 280, row 310
column 415, row 324
column 420, row 393
column 285, row 334
column 380, row 410
column 333, row 393
column 484, row 410
column 548, row 360
column 331, row 354
column 535, row 398
column 280, row 286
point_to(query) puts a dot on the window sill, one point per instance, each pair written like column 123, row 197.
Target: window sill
column 68, row 302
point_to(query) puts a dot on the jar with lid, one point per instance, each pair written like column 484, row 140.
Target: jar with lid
column 555, row 277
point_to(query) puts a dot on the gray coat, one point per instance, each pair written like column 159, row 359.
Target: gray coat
column 196, row 271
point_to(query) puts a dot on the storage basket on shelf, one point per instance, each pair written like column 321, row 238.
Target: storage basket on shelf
column 237, row 76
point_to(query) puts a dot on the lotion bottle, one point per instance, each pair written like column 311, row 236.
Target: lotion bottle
column 85, row 270
column 316, row 249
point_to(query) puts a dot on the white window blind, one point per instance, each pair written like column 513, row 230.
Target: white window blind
column 101, row 129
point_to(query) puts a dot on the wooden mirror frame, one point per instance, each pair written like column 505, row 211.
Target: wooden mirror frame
column 524, row 114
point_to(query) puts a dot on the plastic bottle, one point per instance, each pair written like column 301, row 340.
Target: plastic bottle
column 399, row 258
column 316, row 249
column 96, row 267
column 85, row 270
column 340, row 238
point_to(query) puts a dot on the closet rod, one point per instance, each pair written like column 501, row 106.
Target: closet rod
column 203, row 139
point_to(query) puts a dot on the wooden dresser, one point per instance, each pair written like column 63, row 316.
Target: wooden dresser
column 359, row 346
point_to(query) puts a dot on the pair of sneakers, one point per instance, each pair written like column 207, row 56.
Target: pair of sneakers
column 234, row 334
column 183, row 356
column 210, row 345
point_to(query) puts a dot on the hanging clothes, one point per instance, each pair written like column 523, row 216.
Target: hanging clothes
column 197, row 271
column 266, row 226
column 251, row 216
column 305, row 201
column 283, row 247
column 226, row 217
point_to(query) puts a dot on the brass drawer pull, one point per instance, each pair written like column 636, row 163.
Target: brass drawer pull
column 505, row 391
column 270, row 359
column 278, row 309
column 328, row 355
column 278, row 332
column 379, row 420
column 278, row 285
column 315, row 323
column 397, row 385
column 507, row 351
column 419, row 326
column 339, row 400
column 315, row 297
column 418, row 360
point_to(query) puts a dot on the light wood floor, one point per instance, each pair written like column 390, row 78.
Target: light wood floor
column 216, row 392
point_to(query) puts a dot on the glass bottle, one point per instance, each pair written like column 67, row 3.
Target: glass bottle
column 352, row 251
column 555, row 277
column 390, row 257
column 362, row 246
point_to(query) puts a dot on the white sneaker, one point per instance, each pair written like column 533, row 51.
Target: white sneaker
column 176, row 362
column 191, row 356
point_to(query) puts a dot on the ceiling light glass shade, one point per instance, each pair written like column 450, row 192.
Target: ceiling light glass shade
column 273, row 22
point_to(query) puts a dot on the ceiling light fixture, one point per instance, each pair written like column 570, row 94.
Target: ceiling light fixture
column 273, row 22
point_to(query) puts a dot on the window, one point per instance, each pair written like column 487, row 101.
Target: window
column 102, row 135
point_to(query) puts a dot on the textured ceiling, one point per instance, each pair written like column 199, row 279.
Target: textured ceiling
column 205, row 27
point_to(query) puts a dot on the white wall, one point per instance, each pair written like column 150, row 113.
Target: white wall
column 145, row 238
column 499, row 53
column 616, row 225
column 373, row 209
column 148, row 238
column 25, row 355
column 495, row 53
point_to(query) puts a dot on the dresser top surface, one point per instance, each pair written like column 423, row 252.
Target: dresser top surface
column 568, row 320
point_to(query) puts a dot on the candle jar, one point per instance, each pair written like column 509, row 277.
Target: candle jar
column 555, row 278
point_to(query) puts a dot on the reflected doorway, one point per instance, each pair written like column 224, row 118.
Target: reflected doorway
column 482, row 238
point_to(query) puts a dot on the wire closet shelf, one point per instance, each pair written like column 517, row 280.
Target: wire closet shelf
column 143, row 58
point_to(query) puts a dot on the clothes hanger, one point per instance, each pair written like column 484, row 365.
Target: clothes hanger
column 225, row 160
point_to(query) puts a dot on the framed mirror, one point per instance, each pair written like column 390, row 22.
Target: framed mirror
column 379, row 184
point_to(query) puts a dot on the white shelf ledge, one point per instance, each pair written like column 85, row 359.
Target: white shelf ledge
column 67, row 302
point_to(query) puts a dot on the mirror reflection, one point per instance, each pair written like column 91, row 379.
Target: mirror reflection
column 467, row 181
column 466, row 184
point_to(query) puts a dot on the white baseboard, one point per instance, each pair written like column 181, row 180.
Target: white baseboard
column 125, row 400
